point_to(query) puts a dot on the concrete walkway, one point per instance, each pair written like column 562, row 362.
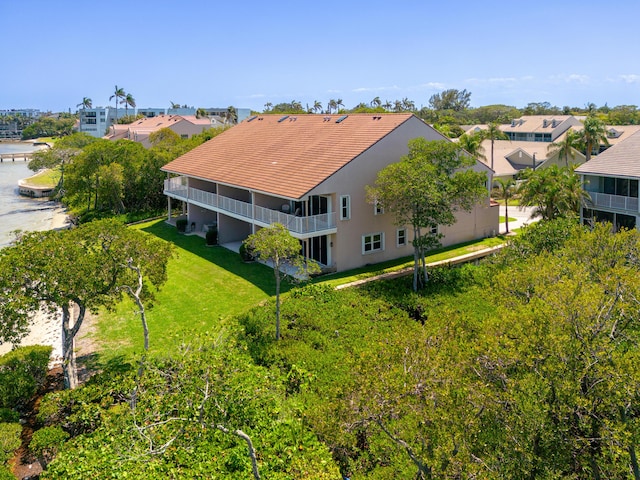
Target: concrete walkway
column 522, row 216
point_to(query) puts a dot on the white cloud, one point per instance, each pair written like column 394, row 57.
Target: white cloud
column 632, row 78
column 571, row 78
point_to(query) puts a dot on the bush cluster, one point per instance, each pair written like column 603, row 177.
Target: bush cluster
column 22, row 372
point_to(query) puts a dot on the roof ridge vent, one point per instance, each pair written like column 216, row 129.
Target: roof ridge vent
column 342, row 118
column 326, row 119
column 283, row 118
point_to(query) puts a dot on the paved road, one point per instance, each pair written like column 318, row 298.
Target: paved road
column 522, row 217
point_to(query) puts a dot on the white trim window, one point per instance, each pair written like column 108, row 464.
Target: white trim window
column 372, row 242
column 345, row 207
column 401, row 237
column 377, row 208
column 434, row 230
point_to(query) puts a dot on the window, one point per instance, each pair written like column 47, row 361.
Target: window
column 434, row 230
column 401, row 237
column 345, row 207
column 377, row 209
column 373, row 242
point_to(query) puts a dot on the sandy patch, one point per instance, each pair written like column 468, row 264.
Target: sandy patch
column 45, row 329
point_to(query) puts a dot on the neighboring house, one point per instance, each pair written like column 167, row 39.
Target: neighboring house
column 611, row 179
column 309, row 172
column 539, row 128
column 184, row 125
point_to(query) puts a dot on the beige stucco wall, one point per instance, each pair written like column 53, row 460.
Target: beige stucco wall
column 346, row 252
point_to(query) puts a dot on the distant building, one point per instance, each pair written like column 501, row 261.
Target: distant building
column 96, row 121
column 184, row 125
column 151, row 112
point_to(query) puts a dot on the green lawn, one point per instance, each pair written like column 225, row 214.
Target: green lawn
column 502, row 219
column 207, row 285
column 46, row 178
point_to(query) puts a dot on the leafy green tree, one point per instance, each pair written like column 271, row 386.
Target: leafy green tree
column 275, row 244
column 73, row 271
column 493, row 133
column 451, row 99
column 554, row 191
column 49, row 127
column 566, row 147
column 426, row 188
column 594, row 133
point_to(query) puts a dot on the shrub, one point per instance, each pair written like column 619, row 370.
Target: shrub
column 181, row 224
column 22, row 372
column 5, row 473
column 9, row 440
column 46, row 443
column 212, row 236
column 8, row 415
column 246, row 253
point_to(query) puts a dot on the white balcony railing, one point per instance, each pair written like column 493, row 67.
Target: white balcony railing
column 176, row 188
column 617, row 202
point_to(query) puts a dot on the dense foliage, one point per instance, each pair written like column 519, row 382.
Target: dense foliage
column 22, row 372
column 523, row 367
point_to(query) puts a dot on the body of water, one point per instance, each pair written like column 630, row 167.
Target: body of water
column 18, row 212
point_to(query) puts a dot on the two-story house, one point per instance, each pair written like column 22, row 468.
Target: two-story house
column 309, row 172
column 611, row 179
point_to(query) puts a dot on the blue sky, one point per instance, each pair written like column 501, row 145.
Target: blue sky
column 247, row 53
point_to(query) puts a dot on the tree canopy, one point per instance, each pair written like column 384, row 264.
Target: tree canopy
column 70, row 272
column 425, row 189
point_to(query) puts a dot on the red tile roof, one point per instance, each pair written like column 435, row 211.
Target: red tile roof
column 285, row 155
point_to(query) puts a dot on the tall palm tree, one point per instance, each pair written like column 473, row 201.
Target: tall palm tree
column 86, row 103
column 339, row 104
column 376, row 102
column 505, row 192
column 331, row 105
column 128, row 101
column 317, row 106
column 387, row 105
column 118, row 94
column 594, row 133
column 566, row 147
column 493, row 133
column 408, row 105
column 267, row 106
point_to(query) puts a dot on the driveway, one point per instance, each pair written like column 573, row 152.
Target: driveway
column 522, row 216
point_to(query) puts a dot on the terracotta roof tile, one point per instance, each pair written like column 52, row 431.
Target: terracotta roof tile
column 285, row 155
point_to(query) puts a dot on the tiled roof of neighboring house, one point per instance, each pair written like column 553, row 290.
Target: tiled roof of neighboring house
column 285, row 155
column 622, row 159
column 153, row 124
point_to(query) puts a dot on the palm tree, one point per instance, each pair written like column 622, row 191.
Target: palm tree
column 472, row 144
column 338, row 104
column 376, row 102
column 566, row 147
column 331, row 105
column 128, row 101
column 493, row 133
column 387, row 105
column 86, row 103
column 505, row 191
column 201, row 113
column 231, row 115
column 317, row 106
column 408, row 105
column 117, row 94
column 174, row 105
column 594, row 133
column 267, row 106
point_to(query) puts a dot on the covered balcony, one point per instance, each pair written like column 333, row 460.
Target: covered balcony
column 299, row 226
column 617, row 202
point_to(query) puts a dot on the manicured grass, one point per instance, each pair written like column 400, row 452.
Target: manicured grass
column 205, row 285
column 502, row 219
column 513, row 202
column 46, row 178
column 208, row 285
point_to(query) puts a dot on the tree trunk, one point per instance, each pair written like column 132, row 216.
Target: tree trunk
column 416, row 257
